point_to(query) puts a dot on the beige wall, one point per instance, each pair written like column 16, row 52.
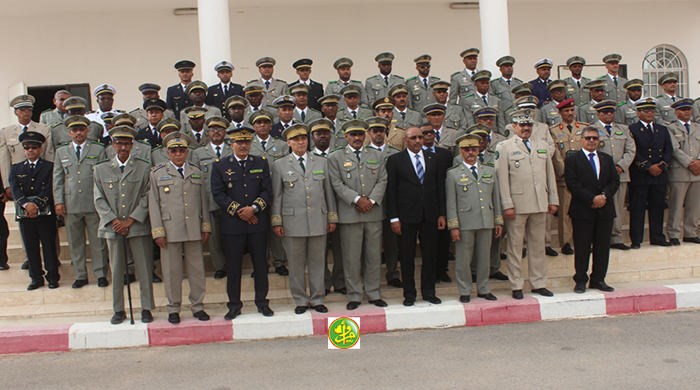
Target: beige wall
column 126, row 49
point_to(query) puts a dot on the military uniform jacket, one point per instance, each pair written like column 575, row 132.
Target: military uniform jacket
column 142, row 116
column 472, row 203
column 159, row 156
column 526, row 180
column 24, row 183
column 311, row 115
column 274, row 148
column 178, row 207
column 73, row 178
column 665, row 114
column 418, row 94
column 686, row 148
column 334, row 87
column 51, row 117
column 122, row 195
column 618, row 144
column 12, row 152
column 233, row 188
column 540, row 131
column 303, row 200
column 565, row 141
column 537, row 117
column 652, row 148
column 345, row 114
column 376, row 88
column 185, row 121
column 573, row 91
column 473, row 102
column 501, row 88
column 540, row 90
column 550, row 114
column 270, row 110
column 217, row 98
column 315, row 93
column 60, row 135
column 625, row 113
column 151, row 136
column 276, row 89
column 203, row 137
column 696, row 110
column 177, row 100
column 205, row 157
column 461, row 84
column 140, row 149
column 587, row 112
column 413, row 118
column 618, row 94
column 350, row 179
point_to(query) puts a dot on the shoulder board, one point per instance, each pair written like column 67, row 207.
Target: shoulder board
column 142, row 141
column 356, row 81
column 57, row 124
column 393, row 147
column 489, row 163
column 344, row 108
column 63, row 144
column 100, row 162
column 97, row 143
column 143, row 159
column 122, row 111
column 281, row 139
column 333, row 82
column 600, row 77
column 471, row 94
column 193, row 147
column 159, row 166
column 335, row 149
column 508, row 108
column 313, row 109
column 697, row 99
column 583, row 104
column 47, row 110
column 517, row 79
column 134, row 110
column 495, row 79
column 659, row 96
column 399, row 77
column 158, row 147
column 411, row 78
column 621, row 104
column 453, row 167
column 279, row 157
column 673, row 121
column 493, row 95
column 281, row 81
column 455, row 73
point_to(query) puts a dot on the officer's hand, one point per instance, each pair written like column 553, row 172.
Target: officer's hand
column 245, row 213
column 161, row 241
column 364, row 205
column 619, row 169
column 330, row 228
column 205, row 237
column 2, row 197
column 455, row 234
column 655, row 170
column 61, row 210
column 598, row 202
column 8, row 194
column 498, row 231
column 509, row 213
column 31, row 210
column 552, row 209
column 396, row 227
column 442, row 222
column 279, row 231
column 253, row 220
column 694, row 167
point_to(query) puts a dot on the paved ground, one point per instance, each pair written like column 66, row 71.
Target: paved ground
column 636, row 352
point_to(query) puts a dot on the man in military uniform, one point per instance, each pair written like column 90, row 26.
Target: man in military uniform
column 104, row 95
column 614, row 83
column 155, row 112
column 403, row 116
column 684, row 176
column 285, row 112
column 300, row 181
column 461, row 83
column 543, row 68
column 665, row 114
column 140, row 148
column 523, row 101
column 73, row 195
column 575, row 85
column 526, row 201
column 329, row 108
column 159, row 155
column 352, row 109
column 454, row 115
column 473, row 217
column 649, row 175
column 235, row 109
column 539, row 130
column 302, row 112
column 205, row 157
column 240, row 185
column 625, row 113
column 344, row 68
column 481, row 98
column 421, row 95
column 256, row 101
column 359, row 178
column 219, row 93
column 444, row 136
column 149, row 91
column 586, row 111
column 384, row 108
column 550, row 112
column 31, row 184
column 180, row 224
column 502, row 86
column 616, row 141
column 271, row 87
column 75, row 105
column 177, row 97
column 197, row 91
column 50, row 117
column 121, row 202
column 315, row 90
column 196, row 124
column 378, row 86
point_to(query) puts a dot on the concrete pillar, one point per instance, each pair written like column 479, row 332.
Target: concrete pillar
column 495, row 38
column 214, row 37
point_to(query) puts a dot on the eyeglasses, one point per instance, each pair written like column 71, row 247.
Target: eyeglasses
column 424, row 66
column 607, row 111
column 177, row 150
column 27, row 147
column 647, row 110
column 471, row 148
column 415, row 137
column 591, row 138
column 26, row 109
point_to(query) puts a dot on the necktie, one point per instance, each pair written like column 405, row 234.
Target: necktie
column 476, row 176
column 263, row 143
column 578, row 84
column 218, row 152
column 386, row 80
column 225, row 89
column 285, row 125
column 354, row 114
column 77, row 152
column 303, row 116
column 267, row 85
column 31, row 166
column 181, row 171
column 403, row 115
column 569, row 127
column 590, row 158
column 485, row 101
column 346, row 83
column 687, row 127
column 425, row 82
column 301, row 164
column 527, row 145
column 508, row 81
column 255, row 108
column 608, row 128
column 121, row 168
column 323, row 154
column 615, row 80
column 198, row 136
column 481, row 157
column 154, row 131
column 238, row 125
column 242, row 163
column 650, row 129
column 673, row 98
column 437, row 136
column 357, row 154
column 24, row 129
column 419, row 169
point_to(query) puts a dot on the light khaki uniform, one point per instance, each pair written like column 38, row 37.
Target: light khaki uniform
column 626, row 114
column 448, row 136
column 60, row 135
column 407, row 118
column 580, row 94
column 619, row 93
column 12, row 152
column 362, row 113
column 141, row 116
column 502, row 89
column 159, row 155
column 684, row 185
column 309, row 116
column 51, row 117
column 587, row 112
column 376, row 87
column 272, row 110
column 665, row 114
column 276, row 89
column 140, row 148
column 334, row 87
column 419, row 95
column 696, row 110
column 461, row 85
column 185, row 120
column 473, row 102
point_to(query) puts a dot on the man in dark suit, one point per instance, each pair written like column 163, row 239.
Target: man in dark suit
column 416, row 206
column 155, row 112
column 241, row 186
column 219, row 93
column 539, row 85
column 177, row 99
column 648, row 174
column 303, row 68
column 592, row 180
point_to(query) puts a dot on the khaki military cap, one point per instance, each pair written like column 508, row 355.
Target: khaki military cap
column 320, row 124
column 505, row 60
column 76, row 121
column 469, row 52
column 422, row 59
column 123, row 132
column 168, row 124
column 634, row 83
column 176, row 140
column 612, row 58
column 295, row 130
column 481, row 75
column 217, row 121
column 397, row 89
column 340, row 62
column 23, row 101
column 236, row 101
column 197, row 84
column 354, row 126
column 384, row 57
column 575, row 60
column 556, row 84
column 124, row 119
column 468, row 140
column 384, row 103
column 668, row 77
column 265, row 61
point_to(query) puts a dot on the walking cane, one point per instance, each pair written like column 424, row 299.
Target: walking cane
column 128, row 279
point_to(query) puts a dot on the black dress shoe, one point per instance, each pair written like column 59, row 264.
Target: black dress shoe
column 524, row 252
column 567, row 250
column 450, row 256
column 675, row 242
column 636, row 246
column 580, row 288
column 201, row 315
column 487, row 296
column 620, row 246
column 695, row 240
column 433, row 299
column 102, row 282
column 342, row 290
column 445, row 278
column 378, row 303
column 543, row 291
column 35, row 284
column 328, row 291
column 4, row 267
column 79, row 283
column 266, row 311
column 131, row 279
column 300, row 309
column 409, row 301
column 320, row 308
column 550, row 252
column 118, row 318
column 282, row 270
column 464, row 298
column 660, row 243
column 395, row 283
column 503, row 256
column 219, row 274
column 517, row 294
column 174, row 318
column 352, row 305
column 157, row 279
column 232, row 314
column 25, row 265
column 498, row 275
column 53, row 284
column 146, row 316
column 602, row 286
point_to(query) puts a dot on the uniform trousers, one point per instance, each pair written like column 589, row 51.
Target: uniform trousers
column 335, row 278
column 565, row 229
column 76, row 227
column 683, row 209
column 277, row 249
column 533, row 227
column 40, row 231
column 473, row 250
column 216, row 249
column 589, row 232
column 391, row 251
column 362, row 258
column 171, row 259
column 643, row 198
column 494, row 254
column 306, row 253
column 234, row 246
column 426, row 231
column 619, row 199
column 140, row 249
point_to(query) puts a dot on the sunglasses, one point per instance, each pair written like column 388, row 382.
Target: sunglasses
column 591, row 138
column 424, row 66
column 415, row 137
column 471, row 148
column 26, row 109
column 177, row 150
column 27, row 147
column 608, row 111
column 647, row 110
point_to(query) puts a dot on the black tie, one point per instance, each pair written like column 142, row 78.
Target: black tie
column 608, row 128
column 263, row 143
column 508, row 81
column 238, row 125
column 354, row 114
column 687, row 127
column 301, row 164
column 267, row 85
column 650, row 130
column 425, row 82
column 474, row 172
column 673, row 98
column 403, row 115
column 615, row 79
column 181, row 171
column 121, row 168
column 77, row 152
column 386, row 80
column 303, row 116
column 578, row 83
column 225, row 89
column 485, row 101
column 323, row 154
column 198, row 136
column 346, row 83
column 31, row 167
column 569, row 127
column 437, row 136
column 218, row 152
column 242, row 163
column 24, row 129
column 285, row 125
column 357, row 154
column 527, row 145
column 481, row 157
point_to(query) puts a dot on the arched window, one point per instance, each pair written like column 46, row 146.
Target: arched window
column 660, row 60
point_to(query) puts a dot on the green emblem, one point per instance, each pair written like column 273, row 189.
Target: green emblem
column 486, row 176
column 256, row 171
column 372, row 162
column 497, row 154
column 318, row 172
column 619, row 133
column 541, row 150
column 196, row 176
column 344, row 333
column 90, row 156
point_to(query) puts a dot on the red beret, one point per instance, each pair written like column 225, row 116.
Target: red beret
column 565, row 104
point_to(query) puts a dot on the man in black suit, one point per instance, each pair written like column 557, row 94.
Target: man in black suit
column 648, row 175
column 543, row 68
column 416, row 206
column 155, row 112
column 219, row 93
column 177, row 99
column 592, row 180
column 303, row 68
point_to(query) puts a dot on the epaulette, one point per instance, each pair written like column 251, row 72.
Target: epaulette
column 59, row 123
column 121, row 111
column 392, row 146
column 411, row 78
column 583, row 104
column 97, row 143
column 397, row 76
column 673, row 121
column 455, row 73
column 659, row 96
column 281, row 139
column 100, row 162
column 157, row 167
column 508, row 108
column 515, row 78
column 338, row 148
column 279, row 157
column 282, row 81
column 494, row 95
column 356, row 81
column 253, row 80
column 489, row 163
column 696, row 99
column 63, row 144
column 47, row 110
column 313, row 109
column 341, row 109
column 134, row 110
column 143, row 142
column 143, row 159
column 621, row 104
column 333, row 82
column 193, row 147
column 601, row 77
column 157, row 147
column 495, row 79
column 471, row 94
column 453, row 167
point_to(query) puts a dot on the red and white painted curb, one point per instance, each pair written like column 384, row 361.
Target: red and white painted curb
column 94, row 335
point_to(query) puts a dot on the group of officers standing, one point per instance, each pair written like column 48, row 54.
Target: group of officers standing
column 289, row 171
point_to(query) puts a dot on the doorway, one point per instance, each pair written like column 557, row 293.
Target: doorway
column 44, row 96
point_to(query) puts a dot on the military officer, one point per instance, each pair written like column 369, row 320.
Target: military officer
column 235, row 109
column 684, row 176
column 550, row 113
column 461, row 83
column 404, row 116
column 358, row 175
column 378, row 86
column 256, row 101
column 485, row 118
column 196, row 124
column 329, row 107
column 625, row 113
column 180, row 224
column 219, row 93
column 159, row 155
column 149, row 91
column 543, row 68
column 473, row 217
column 665, row 114
column 526, row 184
column 285, row 112
column 155, row 110
column 197, row 91
column 419, row 85
column 177, row 97
column 481, row 98
column 105, row 103
column 240, row 185
column 696, row 110
column 205, row 157
column 140, row 148
column 384, row 108
column 502, row 86
column 614, row 83
column 586, row 111
column 344, row 68
column 73, row 196
column 352, row 109
column 303, row 113
column 271, row 87
column 300, row 181
column 454, row 115
column 121, row 202
column 444, row 136
column 575, row 85
column 539, row 130
column 522, row 102
column 315, row 90
column 50, row 117
column 75, row 105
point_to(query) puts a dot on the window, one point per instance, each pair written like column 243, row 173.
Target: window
column 661, row 60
